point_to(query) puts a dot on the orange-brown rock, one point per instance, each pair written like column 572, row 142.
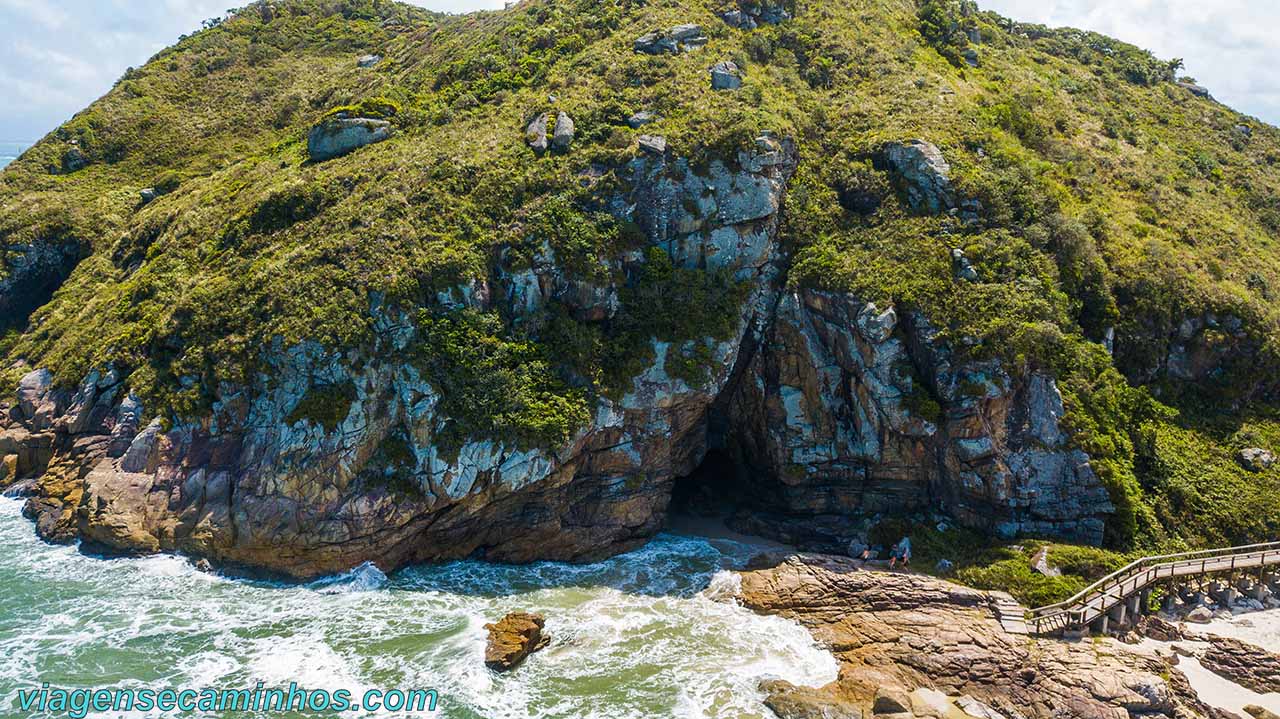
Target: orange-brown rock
column 514, row 638
column 895, row 630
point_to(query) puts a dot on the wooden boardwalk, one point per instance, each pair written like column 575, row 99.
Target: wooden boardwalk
column 1131, row 585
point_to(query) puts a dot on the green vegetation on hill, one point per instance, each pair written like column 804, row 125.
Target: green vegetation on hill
column 1111, row 199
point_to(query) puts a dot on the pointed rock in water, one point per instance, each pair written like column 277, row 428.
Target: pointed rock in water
column 338, row 136
column 514, row 638
column 563, row 136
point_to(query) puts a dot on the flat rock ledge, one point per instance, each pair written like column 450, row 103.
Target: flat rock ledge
column 915, row 646
column 514, row 638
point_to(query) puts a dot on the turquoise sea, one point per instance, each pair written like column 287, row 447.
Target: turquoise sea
column 9, row 151
column 647, row 635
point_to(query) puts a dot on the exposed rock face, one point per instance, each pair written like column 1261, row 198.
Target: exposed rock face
column 368, row 60
column 1256, row 459
column 1209, row 347
column 842, row 407
column 536, row 133
column 339, row 135
column 513, row 639
column 789, row 701
column 905, row 632
column 563, row 136
column 830, row 414
column 31, row 274
column 925, row 174
column 749, row 15
column 1249, row 666
column 681, row 38
column 247, row 486
column 725, row 76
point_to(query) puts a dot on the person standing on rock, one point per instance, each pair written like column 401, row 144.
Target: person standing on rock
column 901, row 553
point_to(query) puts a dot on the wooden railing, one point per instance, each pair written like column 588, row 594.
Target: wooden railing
column 1098, row 598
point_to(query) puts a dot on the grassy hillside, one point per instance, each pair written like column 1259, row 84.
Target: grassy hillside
column 1111, row 197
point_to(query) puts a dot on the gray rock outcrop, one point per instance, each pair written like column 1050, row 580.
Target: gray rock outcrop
column 536, row 133
column 563, row 135
column 1256, row 459
column 726, row 75
column 924, row 173
column 366, row 61
column 338, row 136
column 681, row 38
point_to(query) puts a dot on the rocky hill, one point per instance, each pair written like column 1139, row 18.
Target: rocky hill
column 332, row 281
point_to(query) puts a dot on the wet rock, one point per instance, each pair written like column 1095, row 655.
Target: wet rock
column 535, row 134
column 563, row 136
column 338, row 136
column 1256, row 459
column 514, row 638
column 789, row 701
column 365, row 61
column 725, row 75
column 203, row 565
column 925, row 174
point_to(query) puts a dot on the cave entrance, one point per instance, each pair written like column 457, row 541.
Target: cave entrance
column 710, row 491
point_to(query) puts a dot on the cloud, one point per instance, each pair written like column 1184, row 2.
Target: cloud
column 61, row 56
column 1229, row 46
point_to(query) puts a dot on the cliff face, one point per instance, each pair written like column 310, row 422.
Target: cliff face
column 812, row 386
column 343, row 280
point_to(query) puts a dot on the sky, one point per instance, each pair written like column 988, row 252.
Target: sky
column 57, row 56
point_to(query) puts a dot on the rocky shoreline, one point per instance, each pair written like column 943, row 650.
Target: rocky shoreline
column 903, row 641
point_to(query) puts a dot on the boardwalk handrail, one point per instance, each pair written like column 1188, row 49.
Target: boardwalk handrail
column 1132, row 571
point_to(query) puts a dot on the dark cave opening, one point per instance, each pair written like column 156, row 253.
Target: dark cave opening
column 711, row 491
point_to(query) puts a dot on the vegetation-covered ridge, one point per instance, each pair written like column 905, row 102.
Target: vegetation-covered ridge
column 1117, row 208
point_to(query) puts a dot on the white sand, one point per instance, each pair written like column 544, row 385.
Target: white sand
column 1261, row 629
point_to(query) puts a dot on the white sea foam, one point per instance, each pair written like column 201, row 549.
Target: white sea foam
column 643, row 635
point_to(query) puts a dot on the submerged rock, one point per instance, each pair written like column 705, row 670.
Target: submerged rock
column 338, row 136
column 514, row 638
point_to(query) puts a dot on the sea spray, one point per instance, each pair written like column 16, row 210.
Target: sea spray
column 647, row 634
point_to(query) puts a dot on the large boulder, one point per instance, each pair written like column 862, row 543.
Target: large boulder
column 535, row 133
column 726, row 75
column 338, row 136
column 924, row 174
column 514, row 638
column 681, row 38
column 789, row 701
column 1256, row 459
column 563, row 136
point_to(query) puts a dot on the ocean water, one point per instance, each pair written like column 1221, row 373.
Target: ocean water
column 640, row 635
column 9, row 151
